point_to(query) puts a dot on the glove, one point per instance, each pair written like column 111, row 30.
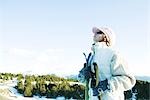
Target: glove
column 85, row 72
column 102, row 86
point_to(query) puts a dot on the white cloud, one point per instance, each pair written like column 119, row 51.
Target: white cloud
column 57, row 61
column 140, row 68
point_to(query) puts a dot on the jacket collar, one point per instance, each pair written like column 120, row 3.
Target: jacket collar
column 100, row 45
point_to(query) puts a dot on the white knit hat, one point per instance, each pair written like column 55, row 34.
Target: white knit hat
column 108, row 32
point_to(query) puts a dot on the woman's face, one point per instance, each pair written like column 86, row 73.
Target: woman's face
column 98, row 37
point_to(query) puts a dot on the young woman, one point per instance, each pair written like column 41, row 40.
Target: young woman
column 114, row 75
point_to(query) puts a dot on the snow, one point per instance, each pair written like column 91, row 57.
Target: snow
column 12, row 93
column 37, row 98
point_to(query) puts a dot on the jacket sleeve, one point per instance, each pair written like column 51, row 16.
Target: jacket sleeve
column 121, row 78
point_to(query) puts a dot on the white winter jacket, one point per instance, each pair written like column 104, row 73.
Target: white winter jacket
column 112, row 67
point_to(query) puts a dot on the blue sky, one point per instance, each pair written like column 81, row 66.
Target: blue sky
column 49, row 36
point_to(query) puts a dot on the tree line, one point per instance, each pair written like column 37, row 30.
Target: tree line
column 49, row 86
column 52, row 86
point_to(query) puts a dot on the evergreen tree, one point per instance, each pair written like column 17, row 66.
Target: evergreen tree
column 42, row 88
column 28, row 89
column 19, row 77
column 20, row 87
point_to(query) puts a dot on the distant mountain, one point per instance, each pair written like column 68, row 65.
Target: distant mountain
column 72, row 77
column 143, row 78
